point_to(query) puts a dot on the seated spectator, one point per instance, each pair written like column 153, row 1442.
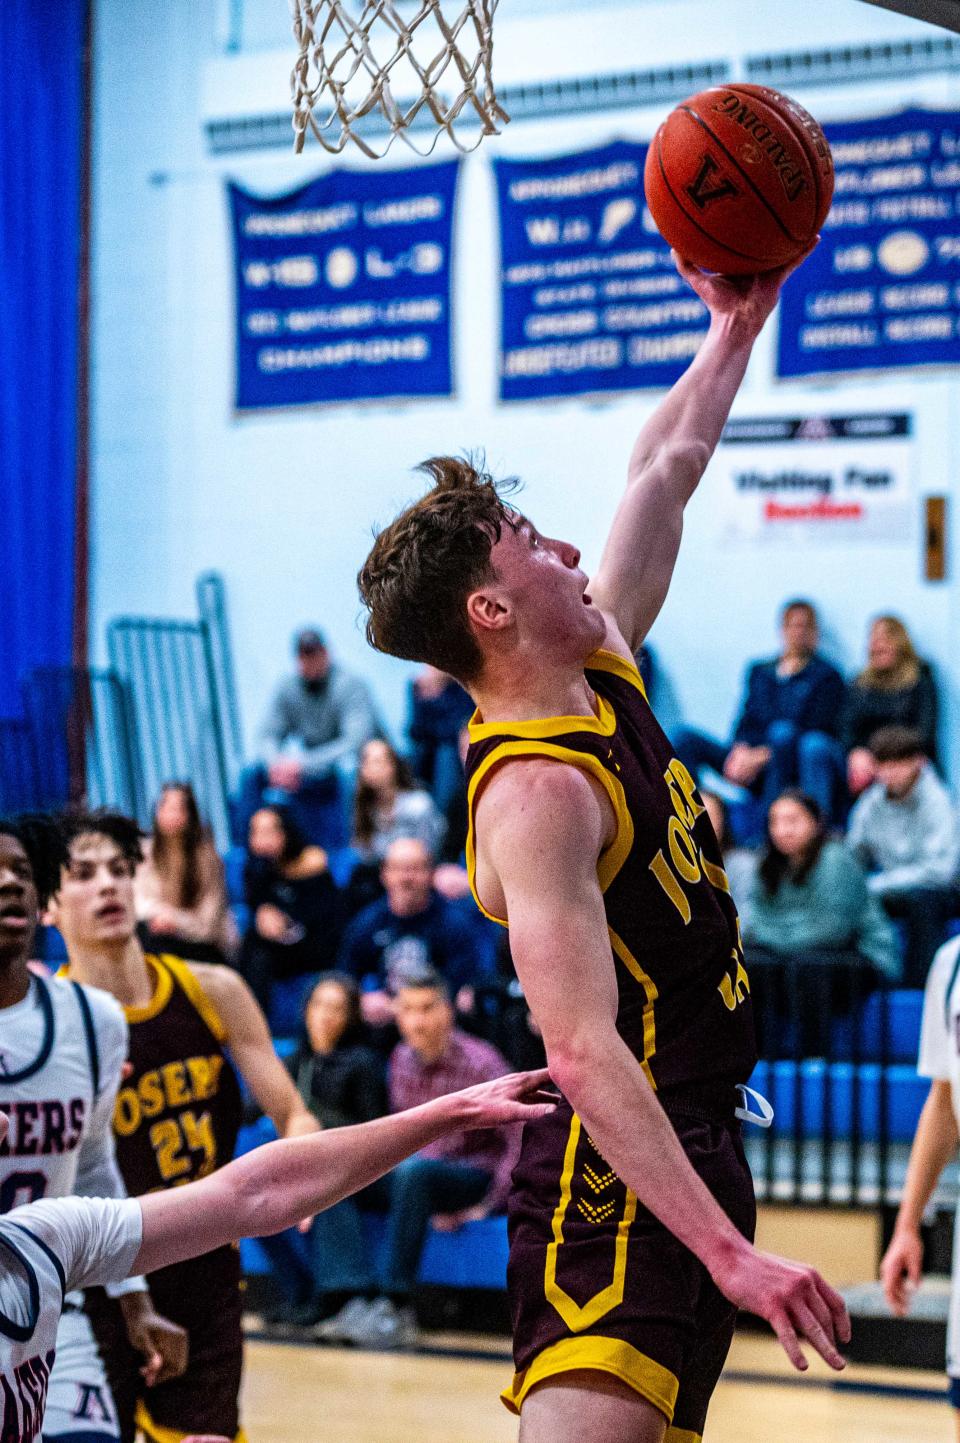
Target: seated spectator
column 895, row 688
column 439, row 707
column 389, row 804
column 294, row 905
column 341, row 1080
column 739, row 863
column 904, row 830
column 809, row 905
column 461, row 1178
column 411, row 926
column 788, row 729
column 179, row 887
column 318, row 721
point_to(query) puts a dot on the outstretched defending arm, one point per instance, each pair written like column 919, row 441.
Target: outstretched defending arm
column 673, row 448
column 274, row 1186
column 543, row 829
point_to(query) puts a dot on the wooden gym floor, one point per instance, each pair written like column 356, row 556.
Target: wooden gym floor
column 447, row 1393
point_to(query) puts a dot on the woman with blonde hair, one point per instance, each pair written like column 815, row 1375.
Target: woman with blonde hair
column 895, row 688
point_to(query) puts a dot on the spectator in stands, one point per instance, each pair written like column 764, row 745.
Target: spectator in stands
column 318, row 721
column 180, row 888
column 895, row 688
column 439, row 707
column 788, row 728
column 341, row 1080
column 389, row 804
column 461, row 1178
column 294, row 905
column 739, row 863
column 904, row 830
column 411, row 926
column 809, row 906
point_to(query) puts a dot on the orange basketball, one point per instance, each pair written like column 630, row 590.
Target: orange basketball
column 739, row 179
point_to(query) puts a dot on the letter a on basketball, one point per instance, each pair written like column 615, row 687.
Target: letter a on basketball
column 702, row 191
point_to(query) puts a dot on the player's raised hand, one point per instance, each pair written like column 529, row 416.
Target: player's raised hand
column 900, row 1270
column 795, row 1300
column 516, row 1097
column 745, row 299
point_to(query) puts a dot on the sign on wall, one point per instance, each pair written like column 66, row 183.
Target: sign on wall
column 882, row 289
column 814, row 479
column 590, row 299
column 343, row 288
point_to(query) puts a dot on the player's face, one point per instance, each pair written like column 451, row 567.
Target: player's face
column 95, row 905
column 547, row 591
column 18, row 898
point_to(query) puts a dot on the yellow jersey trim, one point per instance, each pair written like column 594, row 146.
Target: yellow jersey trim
column 650, row 989
column 157, row 1433
column 552, row 726
column 601, row 1355
column 682, row 1435
column 579, row 1316
column 612, row 661
column 611, row 858
column 162, row 992
column 195, row 994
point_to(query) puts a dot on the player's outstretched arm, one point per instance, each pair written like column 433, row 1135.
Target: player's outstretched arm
column 934, row 1145
column 253, row 1052
column 673, row 448
column 542, row 829
column 274, row 1186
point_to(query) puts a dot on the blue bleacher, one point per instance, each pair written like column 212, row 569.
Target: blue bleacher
column 781, row 1081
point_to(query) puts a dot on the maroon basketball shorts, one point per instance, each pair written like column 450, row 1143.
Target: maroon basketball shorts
column 597, row 1282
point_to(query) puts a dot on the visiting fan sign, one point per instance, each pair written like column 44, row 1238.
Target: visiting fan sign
column 882, row 289
column 814, row 479
column 343, row 288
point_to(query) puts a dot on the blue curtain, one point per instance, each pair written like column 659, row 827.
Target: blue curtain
column 41, row 154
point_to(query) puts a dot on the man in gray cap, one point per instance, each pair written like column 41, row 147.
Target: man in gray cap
column 318, row 721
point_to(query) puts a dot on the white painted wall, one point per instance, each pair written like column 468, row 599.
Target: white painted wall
column 283, row 504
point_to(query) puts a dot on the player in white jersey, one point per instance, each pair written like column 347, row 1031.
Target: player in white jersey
column 49, row 1247
column 62, row 1051
column 935, row 1144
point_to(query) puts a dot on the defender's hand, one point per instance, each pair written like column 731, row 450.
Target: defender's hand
column 795, row 1300
column 747, row 300
column 517, row 1097
column 164, row 1345
column 900, row 1271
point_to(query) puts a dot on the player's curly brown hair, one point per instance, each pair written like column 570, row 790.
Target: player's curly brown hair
column 423, row 566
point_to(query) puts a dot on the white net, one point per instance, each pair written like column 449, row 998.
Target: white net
column 363, row 61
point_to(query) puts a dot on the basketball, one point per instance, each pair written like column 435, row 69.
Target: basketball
column 739, row 179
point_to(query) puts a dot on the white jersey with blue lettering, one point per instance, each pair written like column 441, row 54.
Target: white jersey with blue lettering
column 940, row 1060
column 48, row 1248
column 62, row 1051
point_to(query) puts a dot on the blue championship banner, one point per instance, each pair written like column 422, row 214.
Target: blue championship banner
column 882, row 289
column 343, row 288
column 590, row 299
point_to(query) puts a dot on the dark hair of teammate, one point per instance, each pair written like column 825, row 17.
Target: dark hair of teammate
column 295, row 840
column 123, row 831
column 41, row 839
column 425, row 564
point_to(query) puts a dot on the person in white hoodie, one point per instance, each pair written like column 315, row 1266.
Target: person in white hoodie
column 905, row 831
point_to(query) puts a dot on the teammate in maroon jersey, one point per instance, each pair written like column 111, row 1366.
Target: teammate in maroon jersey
column 632, row 1217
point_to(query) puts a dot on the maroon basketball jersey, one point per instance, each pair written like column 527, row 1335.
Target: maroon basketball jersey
column 684, row 998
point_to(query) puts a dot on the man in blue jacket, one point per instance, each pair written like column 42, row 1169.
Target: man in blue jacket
column 789, row 722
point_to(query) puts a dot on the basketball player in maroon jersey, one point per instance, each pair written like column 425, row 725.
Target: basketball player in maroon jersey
column 632, row 1216
column 176, row 1117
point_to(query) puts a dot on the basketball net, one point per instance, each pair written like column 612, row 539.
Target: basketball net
column 358, row 56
